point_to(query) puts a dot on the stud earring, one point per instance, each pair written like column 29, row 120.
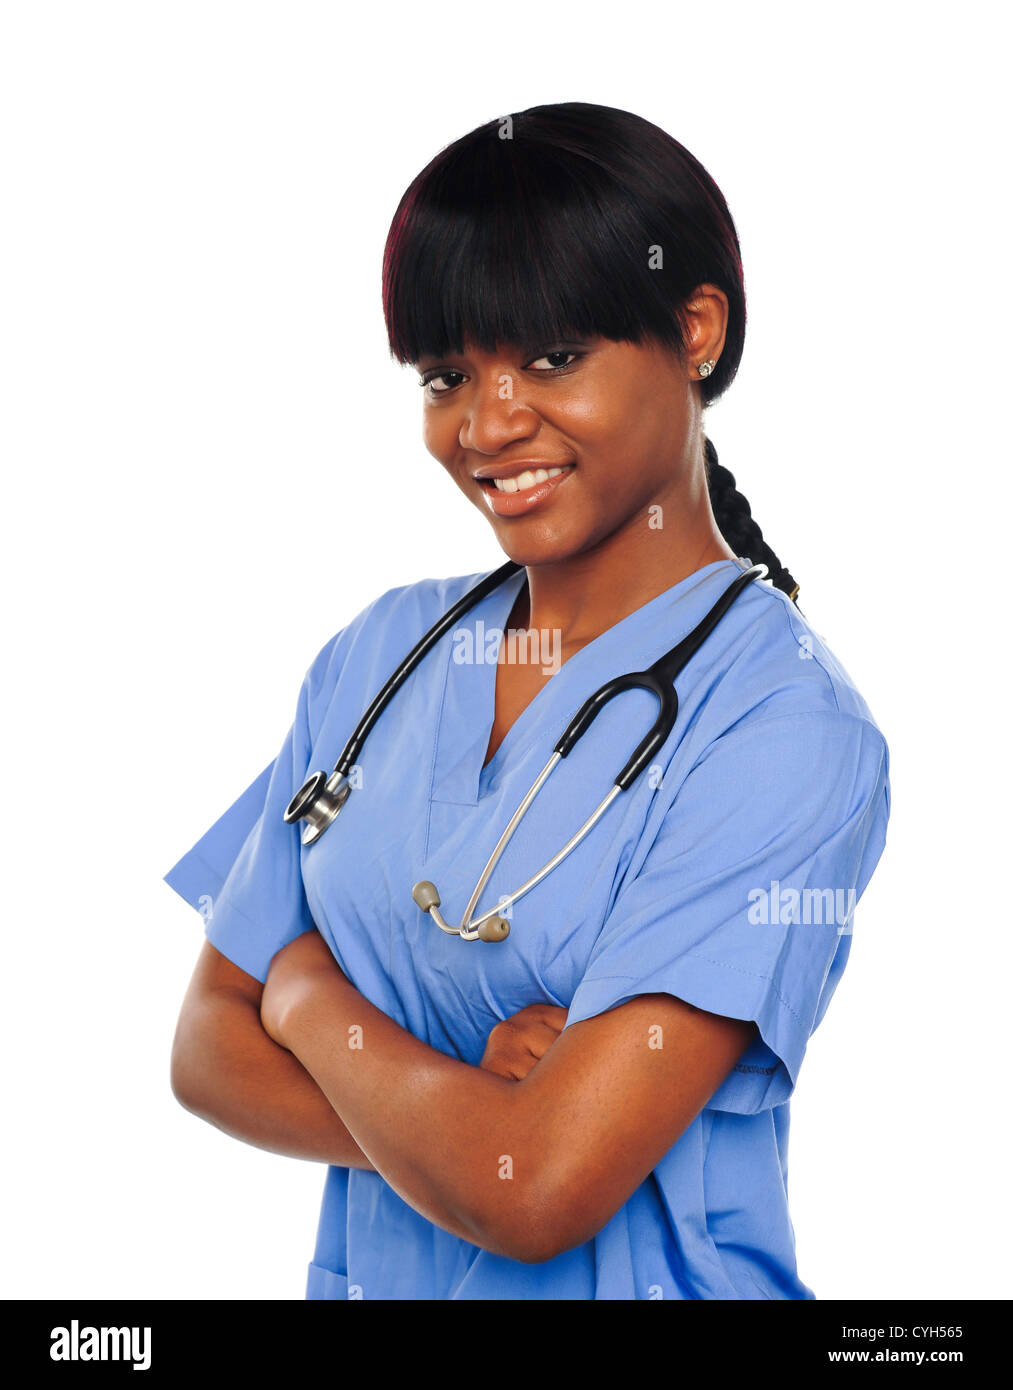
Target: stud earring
column 705, row 368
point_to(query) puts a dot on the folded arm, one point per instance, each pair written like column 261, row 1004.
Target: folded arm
column 226, row 1070
column 525, row 1168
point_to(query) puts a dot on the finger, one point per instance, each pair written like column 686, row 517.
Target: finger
column 510, row 1070
column 539, row 1013
column 555, row 1017
column 539, row 1037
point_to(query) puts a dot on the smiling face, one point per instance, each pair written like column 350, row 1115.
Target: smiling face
column 621, row 420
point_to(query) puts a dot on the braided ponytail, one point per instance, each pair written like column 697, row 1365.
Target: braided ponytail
column 736, row 524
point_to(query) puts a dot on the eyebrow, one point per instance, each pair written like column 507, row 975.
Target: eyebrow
column 526, row 350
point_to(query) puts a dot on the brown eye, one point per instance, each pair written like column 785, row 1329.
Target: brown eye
column 556, row 366
column 442, row 376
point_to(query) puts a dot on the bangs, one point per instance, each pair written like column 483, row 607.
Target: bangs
column 526, row 242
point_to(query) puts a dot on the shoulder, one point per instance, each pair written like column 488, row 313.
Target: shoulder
column 780, row 763
column 375, row 641
column 774, row 726
column 775, row 665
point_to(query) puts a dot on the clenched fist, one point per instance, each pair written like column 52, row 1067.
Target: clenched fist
column 516, row 1045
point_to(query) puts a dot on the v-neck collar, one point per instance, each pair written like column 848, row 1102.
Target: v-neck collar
column 468, row 708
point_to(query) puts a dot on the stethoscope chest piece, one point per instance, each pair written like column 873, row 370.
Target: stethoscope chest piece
column 317, row 802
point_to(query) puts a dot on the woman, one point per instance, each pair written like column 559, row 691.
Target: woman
column 596, row 1107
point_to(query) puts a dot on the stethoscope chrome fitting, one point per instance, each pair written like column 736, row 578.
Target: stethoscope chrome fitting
column 317, row 802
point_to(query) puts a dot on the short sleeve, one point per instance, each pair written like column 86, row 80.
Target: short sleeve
column 744, row 903
column 244, row 875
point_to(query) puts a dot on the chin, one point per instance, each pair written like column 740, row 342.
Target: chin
column 539, row 550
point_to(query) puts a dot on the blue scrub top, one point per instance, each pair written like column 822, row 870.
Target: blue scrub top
column 725, row 876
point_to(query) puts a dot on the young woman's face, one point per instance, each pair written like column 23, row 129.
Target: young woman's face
column 622, row 420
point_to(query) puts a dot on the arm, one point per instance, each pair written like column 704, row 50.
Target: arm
column 228, row 1071
column 526, row 1168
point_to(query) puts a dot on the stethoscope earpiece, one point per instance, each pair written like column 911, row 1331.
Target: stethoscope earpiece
column 425, row 895
column 493, row 928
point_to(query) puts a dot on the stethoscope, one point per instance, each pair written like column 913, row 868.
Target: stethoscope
column 321, row 797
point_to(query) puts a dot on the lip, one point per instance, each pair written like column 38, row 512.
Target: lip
column 520, row 503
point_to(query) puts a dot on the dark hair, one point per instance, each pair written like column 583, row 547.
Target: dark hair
column 570, row 220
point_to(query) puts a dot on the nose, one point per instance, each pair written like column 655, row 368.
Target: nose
column 496, row 415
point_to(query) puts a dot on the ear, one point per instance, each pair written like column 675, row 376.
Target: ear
column 705, row 318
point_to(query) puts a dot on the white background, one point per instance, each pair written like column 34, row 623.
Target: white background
column 210, row 465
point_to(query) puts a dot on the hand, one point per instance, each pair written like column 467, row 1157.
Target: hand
column 291, row 972
column 515, row 1046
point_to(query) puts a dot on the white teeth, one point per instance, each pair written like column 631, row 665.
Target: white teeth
column 526, row 479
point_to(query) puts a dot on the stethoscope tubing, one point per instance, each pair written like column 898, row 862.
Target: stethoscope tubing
column 397, row 678
column 659, row 679
column 468, row 928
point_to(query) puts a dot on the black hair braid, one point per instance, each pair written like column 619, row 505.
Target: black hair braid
column 736, row 524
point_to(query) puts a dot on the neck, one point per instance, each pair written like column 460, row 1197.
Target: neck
column 584, row 595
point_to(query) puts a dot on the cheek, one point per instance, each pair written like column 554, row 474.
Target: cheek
column 610, row 435
column 589, row 416
column 606, row 411
column 439, row 435
column 636, row 431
